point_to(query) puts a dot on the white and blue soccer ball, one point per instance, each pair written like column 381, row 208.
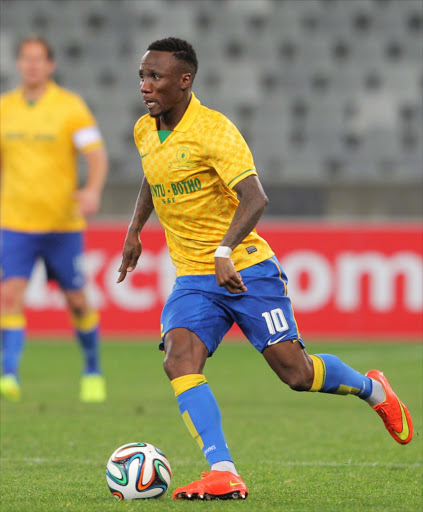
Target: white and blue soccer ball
column 138, row 471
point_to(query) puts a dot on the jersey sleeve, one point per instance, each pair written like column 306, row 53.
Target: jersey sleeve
column 229, row 153
column 86, row 134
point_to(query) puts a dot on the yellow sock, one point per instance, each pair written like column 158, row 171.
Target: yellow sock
column 181, row 384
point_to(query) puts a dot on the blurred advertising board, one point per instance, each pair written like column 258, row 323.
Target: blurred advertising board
column 346, row 280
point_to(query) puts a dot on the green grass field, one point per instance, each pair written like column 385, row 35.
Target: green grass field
column 296, row 451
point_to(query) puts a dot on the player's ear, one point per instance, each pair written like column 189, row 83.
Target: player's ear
column 52, row 66
column 186, row 81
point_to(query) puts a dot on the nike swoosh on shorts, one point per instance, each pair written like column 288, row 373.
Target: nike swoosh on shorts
column 275, row 341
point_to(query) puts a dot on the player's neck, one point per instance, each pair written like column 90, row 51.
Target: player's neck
column 34, row 92
column 170, row 120
column 165, row 124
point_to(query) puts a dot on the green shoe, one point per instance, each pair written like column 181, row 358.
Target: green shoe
column 93, row 388
column 10, row 388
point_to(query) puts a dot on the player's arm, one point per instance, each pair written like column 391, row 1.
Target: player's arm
column 132, row 246
column 89, row 196
column 252, row 202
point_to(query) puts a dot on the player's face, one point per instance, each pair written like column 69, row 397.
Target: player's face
column 34, row 65
column 163, row 84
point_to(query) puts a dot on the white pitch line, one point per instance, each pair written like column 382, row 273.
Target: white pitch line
column 349, row 463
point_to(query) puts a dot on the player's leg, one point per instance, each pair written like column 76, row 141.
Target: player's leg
column 323, row 372
column 269, row 323
column 326, row 373
column 12, row 322
column 86, row 323
column 63, row 258
column 193, row 327
column 18, row 253
column 186, row 355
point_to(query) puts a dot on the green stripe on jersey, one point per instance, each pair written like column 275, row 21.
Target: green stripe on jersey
column 236, row 177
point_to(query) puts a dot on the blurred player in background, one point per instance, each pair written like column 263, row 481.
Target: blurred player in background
column 43, row 127
column 201, row 181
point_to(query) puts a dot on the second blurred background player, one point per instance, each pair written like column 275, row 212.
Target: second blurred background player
column 43, row 127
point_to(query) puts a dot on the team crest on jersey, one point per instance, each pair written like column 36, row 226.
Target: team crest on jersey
column 183, row 160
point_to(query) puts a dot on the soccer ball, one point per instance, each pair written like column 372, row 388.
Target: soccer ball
column 138, row 471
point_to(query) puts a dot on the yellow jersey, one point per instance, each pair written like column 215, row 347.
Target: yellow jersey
column 39, row 143
column 191, row 177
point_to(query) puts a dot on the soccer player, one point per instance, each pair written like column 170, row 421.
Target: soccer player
column 42, row 129
column 201, row 181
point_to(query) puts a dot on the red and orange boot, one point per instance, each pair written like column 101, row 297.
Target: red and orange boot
column 393, row 412
column 214, row 485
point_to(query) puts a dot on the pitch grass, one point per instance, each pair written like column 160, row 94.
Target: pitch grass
column 296, row 451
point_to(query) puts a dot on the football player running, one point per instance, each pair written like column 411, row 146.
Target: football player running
column 201, row 181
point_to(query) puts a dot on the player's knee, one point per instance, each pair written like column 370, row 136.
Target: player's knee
column 180, row 362
column 77, row 311
column 11, row 299
column 6, row 301
column 298, row 379
column 172, row 366
column 168, row 366
column 299, row 384
column 292, row 365
column 185, row 353
column 77, row 303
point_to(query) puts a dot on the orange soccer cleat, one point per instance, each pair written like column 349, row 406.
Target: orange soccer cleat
column 393, row 412
column 214, row 485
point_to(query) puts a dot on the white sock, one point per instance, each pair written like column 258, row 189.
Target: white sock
column 224, row 465
column 378, row 394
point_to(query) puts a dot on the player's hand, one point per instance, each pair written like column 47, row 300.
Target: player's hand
column 227, row 276
column 88, row 200
column 132, row 249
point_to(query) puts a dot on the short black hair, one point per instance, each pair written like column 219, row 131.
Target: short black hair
column 180, row 49
column 35, row 38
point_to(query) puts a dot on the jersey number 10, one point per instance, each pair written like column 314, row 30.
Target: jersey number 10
column 275, row 320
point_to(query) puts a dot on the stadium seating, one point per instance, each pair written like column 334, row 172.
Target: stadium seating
column 321, row 89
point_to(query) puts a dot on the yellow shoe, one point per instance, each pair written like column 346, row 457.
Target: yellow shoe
column 93, row 388
column 10, row 388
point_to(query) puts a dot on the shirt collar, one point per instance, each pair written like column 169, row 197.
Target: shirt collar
column 51, row 86
column 188, row 118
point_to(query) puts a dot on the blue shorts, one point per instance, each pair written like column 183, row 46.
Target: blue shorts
column 61, row 253
column 264, row 312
